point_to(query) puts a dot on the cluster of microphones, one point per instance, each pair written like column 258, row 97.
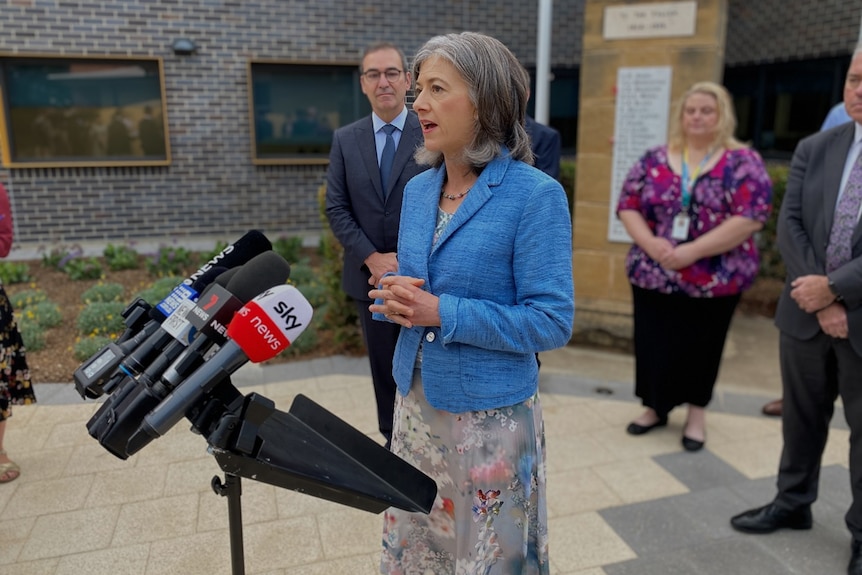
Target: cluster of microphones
column 174, row 360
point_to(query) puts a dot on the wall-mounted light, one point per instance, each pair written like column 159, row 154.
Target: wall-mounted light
column 184, row 47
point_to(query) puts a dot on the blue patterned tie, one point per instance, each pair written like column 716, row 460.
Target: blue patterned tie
column 838, row 250
column 388, row 156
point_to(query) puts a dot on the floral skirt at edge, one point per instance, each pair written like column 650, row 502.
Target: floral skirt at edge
column 15, row 386
column 490, row 514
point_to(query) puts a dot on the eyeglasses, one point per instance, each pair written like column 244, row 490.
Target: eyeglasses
column 392, row 75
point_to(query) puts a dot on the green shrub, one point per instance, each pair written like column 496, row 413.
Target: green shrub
column 315, row 293
column 104, row 292
column 288, row 248
column 28, row 297
column 32, row 333
column 86, row 347
column 159, row 289
column 101, row 318
column 302, row 273
column 339, row 317
column 57, row 256
column 14, row 272
column 83, row 268
column 771, row 263
column 46, row 314
column 121, row 257
column 305, row 343
column 171, row 261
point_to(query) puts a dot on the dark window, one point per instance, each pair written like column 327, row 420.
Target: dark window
column 779, row 104
column 296, row 107
column 563, row 105
column 59, row 111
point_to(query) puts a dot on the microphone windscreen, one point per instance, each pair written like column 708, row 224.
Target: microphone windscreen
column 208, row 277
column 253, row 243
column 260, row 273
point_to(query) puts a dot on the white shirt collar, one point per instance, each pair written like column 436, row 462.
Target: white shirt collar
column 398, row 121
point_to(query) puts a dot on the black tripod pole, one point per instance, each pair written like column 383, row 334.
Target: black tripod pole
column 232, row 489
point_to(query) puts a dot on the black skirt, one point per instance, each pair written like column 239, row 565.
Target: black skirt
column 678, row 345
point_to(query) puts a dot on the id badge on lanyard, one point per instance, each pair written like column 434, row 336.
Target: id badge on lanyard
column 682, row 221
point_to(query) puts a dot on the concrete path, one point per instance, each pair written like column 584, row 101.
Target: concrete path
column 618, row 504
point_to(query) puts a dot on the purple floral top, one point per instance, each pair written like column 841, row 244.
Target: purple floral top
column 737, row 185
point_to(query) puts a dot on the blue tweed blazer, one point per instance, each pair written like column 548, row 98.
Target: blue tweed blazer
column 503, row 272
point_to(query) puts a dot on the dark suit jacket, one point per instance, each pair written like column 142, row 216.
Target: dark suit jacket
column 546, row 146
column 360, row 217
column 804, row 224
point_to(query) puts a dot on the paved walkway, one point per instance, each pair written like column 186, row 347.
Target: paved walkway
column 617, row 504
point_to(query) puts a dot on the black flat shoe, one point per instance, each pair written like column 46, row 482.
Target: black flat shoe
column 638, row 429
column 690, row 444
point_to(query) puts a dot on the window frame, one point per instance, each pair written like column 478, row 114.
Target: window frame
column 6, row 137
column 307, row 158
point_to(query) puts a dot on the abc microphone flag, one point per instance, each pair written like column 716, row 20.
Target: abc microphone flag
column 259, row 331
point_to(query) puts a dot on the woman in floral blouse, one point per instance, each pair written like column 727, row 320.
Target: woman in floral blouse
column 692, row 208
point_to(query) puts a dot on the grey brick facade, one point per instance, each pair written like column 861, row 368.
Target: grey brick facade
column 211, row 189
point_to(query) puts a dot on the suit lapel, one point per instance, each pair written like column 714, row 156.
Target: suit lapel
column 368, row 151
column 406, row 147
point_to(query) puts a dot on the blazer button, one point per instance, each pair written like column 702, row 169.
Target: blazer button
column 429, row 337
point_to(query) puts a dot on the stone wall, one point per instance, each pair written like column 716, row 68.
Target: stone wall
column 601, row 284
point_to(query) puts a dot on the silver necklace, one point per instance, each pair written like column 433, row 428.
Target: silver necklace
column 456, row 196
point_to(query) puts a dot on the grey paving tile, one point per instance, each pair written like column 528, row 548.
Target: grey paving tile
column 742, row 555
column 709, row 509
column 670, row 564
column 654, row 527
column 835, row 486
column 817, row 551
column 754, row 492
column 701, row 470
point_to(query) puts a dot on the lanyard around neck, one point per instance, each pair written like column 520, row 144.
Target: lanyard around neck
column 688, row 180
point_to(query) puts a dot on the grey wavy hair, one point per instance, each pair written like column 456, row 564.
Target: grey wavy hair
column 499, row 89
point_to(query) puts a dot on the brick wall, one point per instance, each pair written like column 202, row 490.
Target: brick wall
column 212, row 189
column 762, row 31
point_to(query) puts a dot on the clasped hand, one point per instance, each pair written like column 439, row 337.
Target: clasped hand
column 812, row 294
column 672, row 257
column 403, row 301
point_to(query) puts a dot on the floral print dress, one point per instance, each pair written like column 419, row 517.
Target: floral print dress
column 738, row 185
column 490, row 513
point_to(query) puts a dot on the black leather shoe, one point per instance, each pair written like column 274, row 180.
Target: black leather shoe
column 638, row 429
column 855, row 565
column 690, row 444
column 770, row 518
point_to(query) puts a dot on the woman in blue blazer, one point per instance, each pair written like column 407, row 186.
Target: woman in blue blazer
column 484, row 283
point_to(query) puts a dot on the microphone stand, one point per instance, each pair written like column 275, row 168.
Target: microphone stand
column 306, row 449
column 232, row 489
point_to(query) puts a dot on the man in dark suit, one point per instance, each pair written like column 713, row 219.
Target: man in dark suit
column 819, row 316
column 546, row 147
column 363, row 202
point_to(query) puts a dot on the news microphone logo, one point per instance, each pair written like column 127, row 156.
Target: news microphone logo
column 274, row 319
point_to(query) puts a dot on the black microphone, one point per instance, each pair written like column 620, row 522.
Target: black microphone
column 259, row 331
column 123, row 379
column 212, row 316
column 90, row 378
column 117, row 420
column 98, row 375
column 183, row 332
